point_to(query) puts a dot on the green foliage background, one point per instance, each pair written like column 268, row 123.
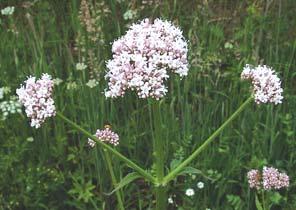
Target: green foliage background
column 57, row 170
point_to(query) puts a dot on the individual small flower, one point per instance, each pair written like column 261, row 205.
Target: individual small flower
column 92, row 83
column 57, row 81
column 170, row 200
column 266, row 84
column 36, row 96
column 91, row 142
column 200, row 185
column 144, row 57
column 254, row 178
column 106, row 135
column 190, row 192
column 81, row 66
column 7, row 11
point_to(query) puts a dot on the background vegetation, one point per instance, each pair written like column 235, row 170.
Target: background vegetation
column 53, row 168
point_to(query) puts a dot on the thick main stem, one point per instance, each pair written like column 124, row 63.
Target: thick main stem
column 130, row 163
column 159, row 156
column 113, row 178
column 179, row 168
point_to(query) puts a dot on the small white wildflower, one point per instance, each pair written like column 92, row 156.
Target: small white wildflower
column 7, row 11
column 170, row 200
column 30, row 139
column 91, row 142
column 80, row 66
column 92, row 83
column 129, row 14
column 190, row 192
column 6, row 90
column 11, row 106
column 57, row 81
column 200, row 185
column 208, row 209
column 71, row 86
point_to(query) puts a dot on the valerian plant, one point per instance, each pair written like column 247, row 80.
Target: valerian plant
column 143, row 60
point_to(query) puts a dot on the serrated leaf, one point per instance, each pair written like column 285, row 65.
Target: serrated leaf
column 125, row 181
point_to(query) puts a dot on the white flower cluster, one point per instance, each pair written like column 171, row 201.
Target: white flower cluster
column 92, row 83
column 7, row 11
column 11, row 106
column 81, row 66
column 36, row 96
column 266, row 84
column 143, row 57
column 4, row 91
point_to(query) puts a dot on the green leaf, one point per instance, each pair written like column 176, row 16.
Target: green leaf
column 125, row 181
column 258, row 204
column 191, row 170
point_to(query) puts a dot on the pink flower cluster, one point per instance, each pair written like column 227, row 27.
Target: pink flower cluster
column 270, row 179
column 36, row 96
column 105, row 135
column 142, row 58
column 254, row 179
column 266, row 84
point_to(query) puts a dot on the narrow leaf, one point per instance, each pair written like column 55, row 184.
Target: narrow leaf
column 258, row 204
column 125, row 181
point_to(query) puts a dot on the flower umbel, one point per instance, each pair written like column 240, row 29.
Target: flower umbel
column 36, row 96
column 254, row 179
column 106, row 135
column 273, row 179
column 270, row 179
column 266, row 84
column 144, row 56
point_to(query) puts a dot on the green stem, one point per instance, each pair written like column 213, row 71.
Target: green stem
column 110, row 149
column 113, row 178
column 159, row 156
column 179, row 168
column 263, row 200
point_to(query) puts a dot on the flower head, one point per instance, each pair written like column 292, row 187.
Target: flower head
column 92, row 83
column 270, row 179
column 7, row 11
column 266, row 84
column 254, row 179
column 190, row 192
column 170, row 200
column 10, row 106
column 57, row 81
column 200, row 185
column 36, row 96
column 143, row 58
column 80, row 66
column 106, row 135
